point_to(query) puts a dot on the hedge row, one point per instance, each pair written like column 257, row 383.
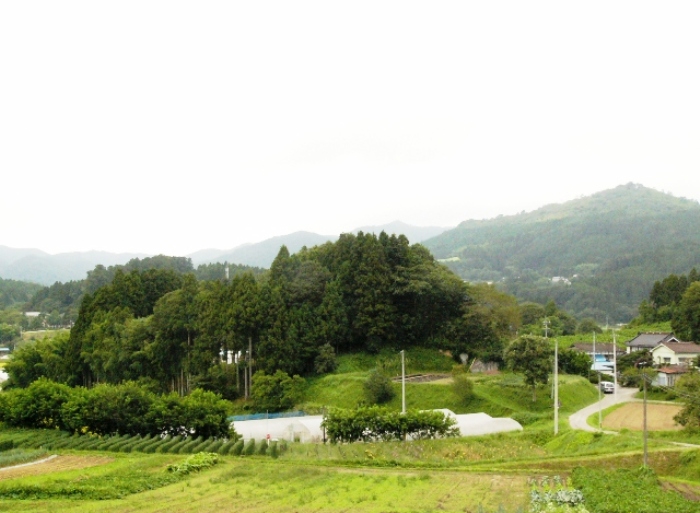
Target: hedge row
column 54, row 439
column 105, row 409
column 376, row 423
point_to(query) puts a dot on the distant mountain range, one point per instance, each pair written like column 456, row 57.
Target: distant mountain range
column 596, row 256
column 34, row 265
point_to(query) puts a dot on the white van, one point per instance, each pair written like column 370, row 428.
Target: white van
column 607, row 387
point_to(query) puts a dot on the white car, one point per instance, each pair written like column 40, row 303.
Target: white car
column 607, row 387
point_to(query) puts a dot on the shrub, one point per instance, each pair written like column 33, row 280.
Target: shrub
column 187, row 447
column 237, row 448
column 277, row 392
column 37, row 406
column 155, row 443
column 165, row 448
column 378, row 389
column 128, row 447
column 148, row 439
column 202, row 446
column 463, row 388
column 274, row 450
column 215, row 446
column 326, row 360
column 175, row 448
column 262, row 448
column 375, row 423
column 195, row 463
column 249, row 448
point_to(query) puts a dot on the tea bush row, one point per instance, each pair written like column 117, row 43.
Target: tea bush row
column 54, row 439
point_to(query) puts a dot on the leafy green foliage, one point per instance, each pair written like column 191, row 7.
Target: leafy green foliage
column 39, row 405
column 531, row 356
column 376, row 423
column 463, row 388
column 574, row 362
column 107, row 409
column 194, row 463
column 688, row 387
column 277, row 392
column 326, row 360
column 612, row 246
column 378, row 388
column 625, row 490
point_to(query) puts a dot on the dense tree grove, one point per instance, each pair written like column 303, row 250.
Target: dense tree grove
column 64, row 299
column 126, row 408
column 165, row 329
column 676, row 298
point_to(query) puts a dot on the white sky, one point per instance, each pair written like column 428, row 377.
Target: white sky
column 170, row 126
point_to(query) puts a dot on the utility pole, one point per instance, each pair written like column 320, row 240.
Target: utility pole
column 615, row 364
column 600, row 406
column 556, row 386
column 403, row 383
column 250, row 365
column 646, row 457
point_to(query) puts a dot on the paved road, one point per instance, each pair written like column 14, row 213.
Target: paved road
column 578, row 420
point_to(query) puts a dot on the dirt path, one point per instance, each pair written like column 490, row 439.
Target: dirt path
column 53, row 464
column 578, row 420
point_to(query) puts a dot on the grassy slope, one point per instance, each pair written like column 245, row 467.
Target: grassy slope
column 447, row 475
column 498, row 395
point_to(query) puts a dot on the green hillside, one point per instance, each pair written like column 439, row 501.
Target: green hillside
column 610, row 246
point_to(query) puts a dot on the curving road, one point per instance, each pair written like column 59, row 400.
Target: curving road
column 578, row 420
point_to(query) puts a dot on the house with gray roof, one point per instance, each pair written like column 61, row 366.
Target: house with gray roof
column 648, row 341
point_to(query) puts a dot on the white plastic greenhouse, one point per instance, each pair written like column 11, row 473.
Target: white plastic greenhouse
column 308, row 428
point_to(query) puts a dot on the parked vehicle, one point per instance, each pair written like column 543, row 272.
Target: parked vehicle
column 607, row 387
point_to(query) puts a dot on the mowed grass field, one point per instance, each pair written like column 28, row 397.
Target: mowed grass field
column 265, row 486
column 630, row 416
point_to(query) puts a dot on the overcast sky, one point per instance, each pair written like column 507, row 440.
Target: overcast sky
column 169, row 127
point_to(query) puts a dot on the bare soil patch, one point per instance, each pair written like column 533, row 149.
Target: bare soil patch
column 690, row 492
column 58, row 464
column 631, row 416
column 422, row 378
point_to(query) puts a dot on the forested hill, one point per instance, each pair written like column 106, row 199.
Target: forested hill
column 610, row 248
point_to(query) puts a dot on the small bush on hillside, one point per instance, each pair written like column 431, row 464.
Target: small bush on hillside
column 326, row 361
column 378, row 388
column 463, row 388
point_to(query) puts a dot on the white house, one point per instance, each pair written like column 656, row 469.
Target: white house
column 675, row 353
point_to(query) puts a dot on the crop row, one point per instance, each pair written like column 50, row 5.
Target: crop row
column 53, row 440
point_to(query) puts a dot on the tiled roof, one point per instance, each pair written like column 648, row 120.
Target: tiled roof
column 678, row 369
column 650, row 340
column 682, row 347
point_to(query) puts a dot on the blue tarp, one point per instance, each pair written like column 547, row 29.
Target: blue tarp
column 263, row 416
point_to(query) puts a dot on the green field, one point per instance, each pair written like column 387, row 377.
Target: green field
column 486, row 474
